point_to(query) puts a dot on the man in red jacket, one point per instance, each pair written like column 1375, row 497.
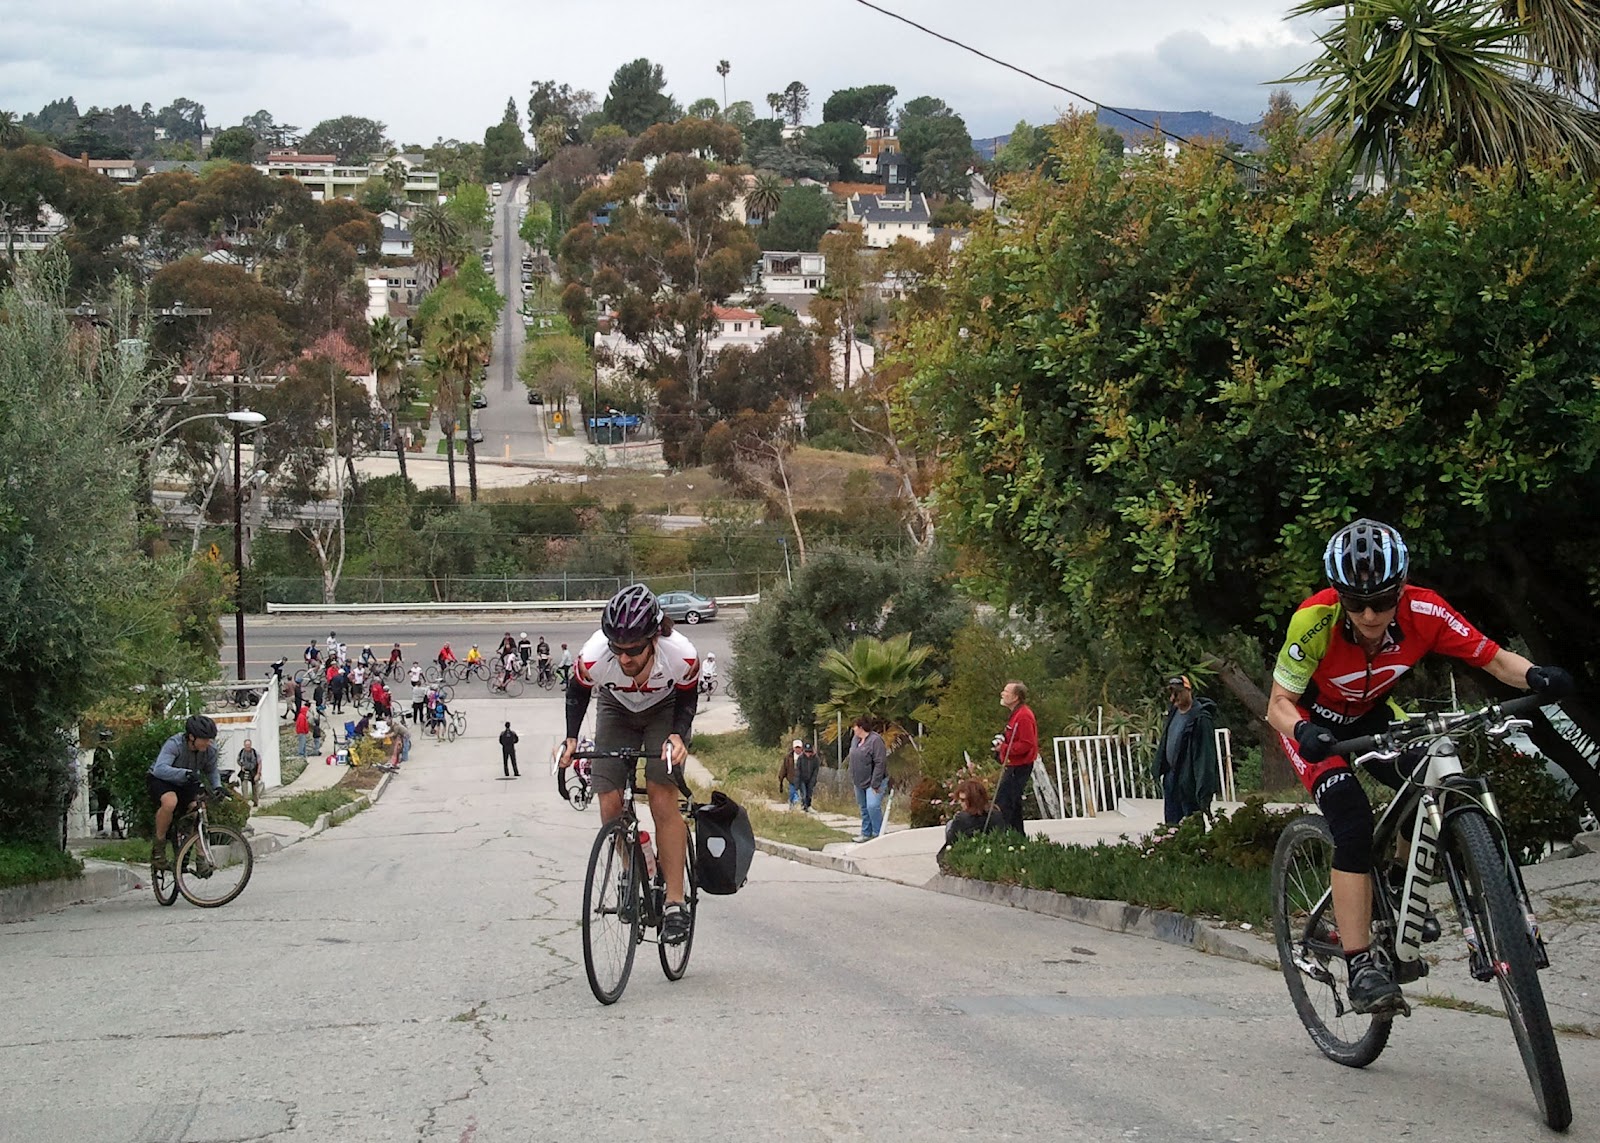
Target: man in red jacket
column 1017, row 748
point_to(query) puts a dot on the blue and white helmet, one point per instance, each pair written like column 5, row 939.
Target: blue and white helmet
column 1366, row 558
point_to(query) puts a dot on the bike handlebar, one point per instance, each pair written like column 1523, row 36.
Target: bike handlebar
column 634, row 756
column 1433, row 725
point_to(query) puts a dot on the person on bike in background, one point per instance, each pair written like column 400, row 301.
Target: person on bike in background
column 564, row 667
column 333, row 646
column 542, row 651
column 369, row 659
column 446, row 656
column 525, row 649
column 508, row 646
column 647, row 676
column 313, row 654
column 474, row 656
column 396, row 663
column 709, row 672
column 1347, row 646
column 184, row 761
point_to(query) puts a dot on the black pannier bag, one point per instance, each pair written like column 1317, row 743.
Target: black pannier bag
column 724, row 844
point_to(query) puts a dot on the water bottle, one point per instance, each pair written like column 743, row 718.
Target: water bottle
column 649, row 854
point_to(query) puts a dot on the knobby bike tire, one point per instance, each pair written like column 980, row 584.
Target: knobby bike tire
column 1493, row 905
column 675, row 958
column 239, row 853
column 164, row 881
column 1301, row 876
column 611, row 923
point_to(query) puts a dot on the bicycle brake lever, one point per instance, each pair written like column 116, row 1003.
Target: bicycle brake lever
column 1506, row 726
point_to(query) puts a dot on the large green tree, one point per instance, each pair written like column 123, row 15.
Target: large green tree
column 936, row 144
column 840, row 143
column 800, row 221
column 868, row 106
column 638, row 97
column 1158, row 391
column 505, row 149
column 352, row 138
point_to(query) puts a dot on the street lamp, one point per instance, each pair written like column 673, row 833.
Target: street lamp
column 240, row 418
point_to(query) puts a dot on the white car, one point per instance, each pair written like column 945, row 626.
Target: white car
column 495, row 190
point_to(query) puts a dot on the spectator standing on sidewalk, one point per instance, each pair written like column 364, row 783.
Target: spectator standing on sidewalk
column 302, row 729
column 508, row 752
column 806, row 768
column 1186, row 758
column 1017, row 748
column 869, row 773
column 336, row 685
column 250, row 771
column 419, row 695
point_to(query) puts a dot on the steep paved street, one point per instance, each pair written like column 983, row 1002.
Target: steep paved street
column 416, row 973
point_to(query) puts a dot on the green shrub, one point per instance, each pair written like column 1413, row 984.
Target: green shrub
column 1533, row 805
column 306, row 808
column 134, row 750
column 25, row 864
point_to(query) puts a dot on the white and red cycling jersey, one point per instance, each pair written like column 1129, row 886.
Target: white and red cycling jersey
column 676, row 667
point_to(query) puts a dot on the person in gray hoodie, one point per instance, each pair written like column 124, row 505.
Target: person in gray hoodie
column 869, row 773
column 184, row 760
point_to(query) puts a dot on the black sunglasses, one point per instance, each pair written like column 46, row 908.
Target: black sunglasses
column 1383, row 601
column 631, row 652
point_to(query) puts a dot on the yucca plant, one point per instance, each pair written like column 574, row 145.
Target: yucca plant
column 882, row 678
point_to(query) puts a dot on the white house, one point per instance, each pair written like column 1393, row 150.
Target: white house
column 792, row 272
column 884, row 217
column 396, row 235
column 52, row 224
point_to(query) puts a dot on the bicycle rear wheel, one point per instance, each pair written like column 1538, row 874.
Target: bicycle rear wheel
column 513, row 687
column 1492, row 905
column 675, row 958
column 214, row 866
column 1309, row 951
column 611, row 908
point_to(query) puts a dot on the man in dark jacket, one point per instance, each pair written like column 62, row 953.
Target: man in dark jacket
column 1186, row 757
column 805, row 772
column 508, row 752
column 869, row 773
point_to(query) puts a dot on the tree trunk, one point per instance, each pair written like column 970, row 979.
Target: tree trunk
column 450, row 458
column 472, row 466
column 1276, row 772
column 400, row 452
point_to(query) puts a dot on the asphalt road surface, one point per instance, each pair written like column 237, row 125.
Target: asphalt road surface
column 416, row 974
column 512, row 428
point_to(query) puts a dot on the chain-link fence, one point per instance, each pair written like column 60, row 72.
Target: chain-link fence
column 508, row 588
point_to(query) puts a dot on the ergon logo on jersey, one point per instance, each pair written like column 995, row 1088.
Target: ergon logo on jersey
column 1316, row 627
column 1423, row 607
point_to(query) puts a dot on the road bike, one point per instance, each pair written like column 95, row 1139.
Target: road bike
column 475, row 672
column 507, row 684
column 620, row 901
column 708, row 685
column 544, row 676
column 213, row 862
column 1455, row 833
column 573, row 783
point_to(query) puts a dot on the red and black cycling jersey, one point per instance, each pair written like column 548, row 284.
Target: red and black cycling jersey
column 1323, row 660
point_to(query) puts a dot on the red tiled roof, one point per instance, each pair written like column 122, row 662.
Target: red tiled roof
column 726, row 313
column 845, row 190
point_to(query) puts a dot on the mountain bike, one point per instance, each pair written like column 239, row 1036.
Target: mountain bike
column 1453, row 825
column 621, row 901
column 213, row 863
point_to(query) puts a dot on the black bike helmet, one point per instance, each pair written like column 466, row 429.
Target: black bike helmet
column 1366, row 558
column 200, row 726
column 632, row 616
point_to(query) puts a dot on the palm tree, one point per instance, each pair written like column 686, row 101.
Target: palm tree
column 11, row 133
column 882, row 678
column 463, row 343
column 775, row 101
column 723, row 68
column 764, row 196
column 388, row 357
column 395, row 174
column 436, row 235
column 447, row 407
column 1494, row 82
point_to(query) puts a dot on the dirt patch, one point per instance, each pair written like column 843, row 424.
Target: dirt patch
column 361, row 778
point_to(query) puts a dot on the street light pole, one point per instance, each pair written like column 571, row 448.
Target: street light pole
column 238, row 548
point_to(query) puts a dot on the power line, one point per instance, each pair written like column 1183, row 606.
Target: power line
column 1098, row 106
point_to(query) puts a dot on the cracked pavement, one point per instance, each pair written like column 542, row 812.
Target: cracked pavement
column 415, row 974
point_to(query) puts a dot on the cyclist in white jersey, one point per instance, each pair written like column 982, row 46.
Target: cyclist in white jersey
column 647, row 677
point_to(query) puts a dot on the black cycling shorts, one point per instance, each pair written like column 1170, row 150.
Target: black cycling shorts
column 158, row 786
column 617, row 727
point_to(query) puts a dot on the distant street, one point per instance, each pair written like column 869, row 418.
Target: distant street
column 512, row 428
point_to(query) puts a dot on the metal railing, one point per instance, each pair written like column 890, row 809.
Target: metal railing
column 1094, row 772
column 504, row 589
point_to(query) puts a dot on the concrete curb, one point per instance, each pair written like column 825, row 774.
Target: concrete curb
column 1114, row 916
column 100, row 879
column 349, row 809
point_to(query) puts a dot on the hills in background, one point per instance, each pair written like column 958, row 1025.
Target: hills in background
column 1189, row 124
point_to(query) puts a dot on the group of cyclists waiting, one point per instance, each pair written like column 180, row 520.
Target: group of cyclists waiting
column 513, row 658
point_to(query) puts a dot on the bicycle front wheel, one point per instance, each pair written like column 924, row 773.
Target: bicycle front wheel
column 1492, row 907
column 1309, row 950
column 513, row 687
column 611, row 907
column 214, row 866
column 675, row 958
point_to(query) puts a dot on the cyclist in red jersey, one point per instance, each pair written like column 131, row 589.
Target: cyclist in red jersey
column 1347, row 647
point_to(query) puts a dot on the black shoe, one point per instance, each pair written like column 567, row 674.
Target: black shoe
column 1373, row 991
column 675, row 923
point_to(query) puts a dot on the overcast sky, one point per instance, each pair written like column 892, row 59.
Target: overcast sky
column 431, row 70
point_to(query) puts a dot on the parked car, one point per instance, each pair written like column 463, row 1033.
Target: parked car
column 687, row 606
column 479, row 401
column 527, row 287
column 535, row 397
column 495, row 190
column 475, row 435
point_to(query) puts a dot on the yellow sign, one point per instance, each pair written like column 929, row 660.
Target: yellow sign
column 557, row 418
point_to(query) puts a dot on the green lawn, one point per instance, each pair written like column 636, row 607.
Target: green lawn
column 307, row 807
column 27, row 864
column 133, row 850
column 749, row 774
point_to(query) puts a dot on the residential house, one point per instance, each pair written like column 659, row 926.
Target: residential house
column 616, row 357
column 792, row 272
column 404, row 284
column 34, row 238
column 895, row 171
column 123, row 172
column 880, row 141
column 887, row 217
column 326, row 178
column 397, row 241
